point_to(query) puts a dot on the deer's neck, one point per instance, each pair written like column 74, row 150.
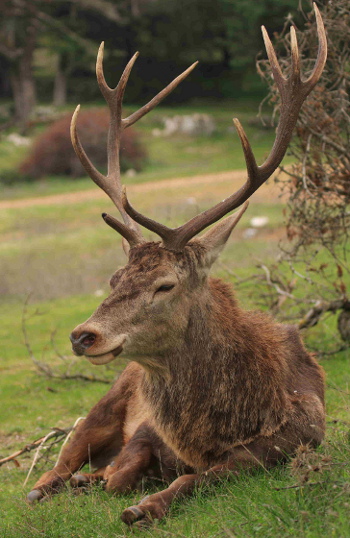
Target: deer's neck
column 212, row 395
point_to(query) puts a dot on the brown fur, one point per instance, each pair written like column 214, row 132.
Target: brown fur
column 213, row 386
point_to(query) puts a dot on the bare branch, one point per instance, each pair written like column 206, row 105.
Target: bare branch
column 45, row 369
column 56, row 433
column 316, row 312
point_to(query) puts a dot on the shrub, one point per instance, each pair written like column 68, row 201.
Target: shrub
column 318, row 182
column 52, row 153
column 10, row 177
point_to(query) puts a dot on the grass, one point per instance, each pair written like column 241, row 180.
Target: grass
column 63, row 255
column 250, row 506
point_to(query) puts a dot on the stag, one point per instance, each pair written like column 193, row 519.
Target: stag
column 211, row 389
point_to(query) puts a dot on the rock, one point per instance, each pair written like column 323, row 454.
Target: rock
column 259, row 222
column 193, row 125
column 249, row 233
column 18, row 140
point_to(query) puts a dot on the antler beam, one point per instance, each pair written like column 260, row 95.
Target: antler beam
column 293, row 91
column 111, row 183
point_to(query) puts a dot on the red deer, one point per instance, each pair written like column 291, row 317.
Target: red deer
column 211, row 389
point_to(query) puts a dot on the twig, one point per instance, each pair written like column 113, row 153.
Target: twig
column 68, row 437
column 331, row 352
column 36, row 455
column 45, row 369
column 299, row 485
column 82, row 377
column 330, row 385
column 343, row 464
column 238, row 281
column 314, row 315
column 313, row 483
column 54, row 347
column 28, row 448
column 275, row 285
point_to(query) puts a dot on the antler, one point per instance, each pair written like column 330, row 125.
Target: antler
column 111, row 183
column 293, row 92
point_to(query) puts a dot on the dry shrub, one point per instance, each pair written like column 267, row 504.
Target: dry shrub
column 52, row 153
column 318, row 183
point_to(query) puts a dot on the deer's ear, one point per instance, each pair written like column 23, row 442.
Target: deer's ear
column 215, row 239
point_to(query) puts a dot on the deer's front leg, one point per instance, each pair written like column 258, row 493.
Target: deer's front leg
column 144, row 455
column 87, row 444
column 132, row 463
column 97, row 440
column 156, row 506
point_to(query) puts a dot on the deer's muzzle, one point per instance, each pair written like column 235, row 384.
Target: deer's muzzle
column 82, row 342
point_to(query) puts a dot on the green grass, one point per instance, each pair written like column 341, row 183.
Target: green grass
column 32, row 405
column 252, row 505
column 63, row 255
column 248, row 506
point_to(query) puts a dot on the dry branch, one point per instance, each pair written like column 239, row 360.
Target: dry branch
column 57, row 433
column 316, row 312
column 320, row 483
column 317, row 185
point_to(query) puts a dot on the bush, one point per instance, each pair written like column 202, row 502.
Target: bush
column 53, row 154
column 318, row 182
column 10, row 177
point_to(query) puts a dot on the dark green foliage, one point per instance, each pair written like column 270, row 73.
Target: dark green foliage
column 224, row 35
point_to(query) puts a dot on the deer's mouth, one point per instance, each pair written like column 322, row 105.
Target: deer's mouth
column 104, row 358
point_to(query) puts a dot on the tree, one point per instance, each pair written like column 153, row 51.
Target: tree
column 224, row 35
column 20, row 27
column 24, row 24
column 318, row 183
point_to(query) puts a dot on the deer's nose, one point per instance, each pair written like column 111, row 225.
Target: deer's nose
column 82, row 341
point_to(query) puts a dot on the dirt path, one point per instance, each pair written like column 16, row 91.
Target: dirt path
column 235, row 178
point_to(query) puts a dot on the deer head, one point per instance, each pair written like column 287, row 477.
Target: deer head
column 152, row 297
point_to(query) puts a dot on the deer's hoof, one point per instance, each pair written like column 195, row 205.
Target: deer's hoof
column 35, row 495
column 132, row 514
column 80, row 491
column 78, row 480
column 45, row 499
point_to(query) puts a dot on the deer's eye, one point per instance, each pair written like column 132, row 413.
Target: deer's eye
column 165, row 287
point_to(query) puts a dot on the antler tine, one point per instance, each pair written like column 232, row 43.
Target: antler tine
column 322, row 51
column 114, row 100
column 164, row 232
column 80, row 152
column 293, row 92
column 131, row 234
column 123, row 230
column 294, row 53
column 275, row 66
column 110, row 184
column 130, row 120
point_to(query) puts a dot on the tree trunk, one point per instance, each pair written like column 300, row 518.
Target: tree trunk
column 22, row 81
column 60, row 82
column 60, row 89
column 23, row 88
